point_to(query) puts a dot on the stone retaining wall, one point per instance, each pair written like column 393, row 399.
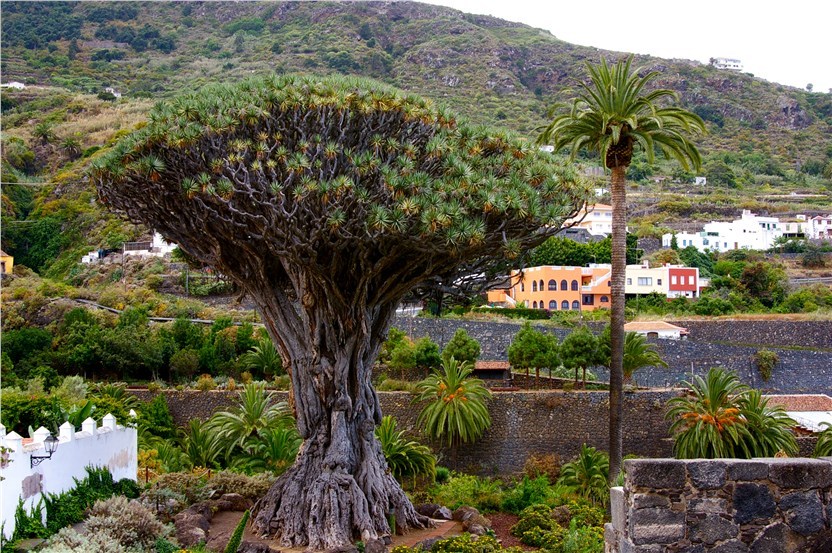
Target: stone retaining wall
column 725, row 506
column 523, row 423
column 799, row 370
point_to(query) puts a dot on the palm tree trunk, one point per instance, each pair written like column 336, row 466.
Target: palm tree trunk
column 619, row 267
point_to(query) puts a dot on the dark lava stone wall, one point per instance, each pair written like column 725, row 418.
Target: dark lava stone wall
column 711, row 344
column 523, row 423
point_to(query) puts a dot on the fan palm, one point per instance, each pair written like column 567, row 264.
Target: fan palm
column 405, row 458
column 639, row 353
column 456, row 411
column 255, row 414
column 613, row 114
column 587, row 475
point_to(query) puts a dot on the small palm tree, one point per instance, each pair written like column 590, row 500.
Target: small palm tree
column 639, row 353
column 456, row 411
column 263, row 359
column 587, row 475
column 824, row 446
column 255, row 414
column 707, row 422
column 201, row 444
column 405, row 458
column 613, row 114
column 274, row 451
column 44, row 132
column 72, row 146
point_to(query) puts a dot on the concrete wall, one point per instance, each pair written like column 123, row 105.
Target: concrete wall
column 111, row 446
column 730, row 505
column 523, row 423
column 711, row 344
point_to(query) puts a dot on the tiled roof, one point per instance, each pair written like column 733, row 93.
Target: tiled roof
column 647, row 326
column 798, row 402
column 486, row 365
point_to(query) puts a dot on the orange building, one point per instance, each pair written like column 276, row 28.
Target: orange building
column 557, row 288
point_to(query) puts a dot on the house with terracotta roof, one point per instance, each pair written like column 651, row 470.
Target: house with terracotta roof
column 657, row 329
column 810, row 411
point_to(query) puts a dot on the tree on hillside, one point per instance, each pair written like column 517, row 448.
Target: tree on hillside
column 327, row 200
column 613, row 114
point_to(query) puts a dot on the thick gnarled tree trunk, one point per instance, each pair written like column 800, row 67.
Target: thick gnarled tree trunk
column 340, row 489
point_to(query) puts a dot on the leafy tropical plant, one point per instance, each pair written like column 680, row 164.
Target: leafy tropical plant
column 588, row 475
column 823, row 447
column 456, row 411
column 202, row 444
column 614, row 114
column 405, row 458
column 274, row 450
column 263, row 359
column 721, row 417
column 639, row 353
column 256, row 413
column 770, row 428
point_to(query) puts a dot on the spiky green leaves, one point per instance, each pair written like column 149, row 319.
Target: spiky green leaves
column 362, row 161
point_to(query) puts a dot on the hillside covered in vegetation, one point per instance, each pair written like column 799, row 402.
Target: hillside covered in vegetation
column 769, row 146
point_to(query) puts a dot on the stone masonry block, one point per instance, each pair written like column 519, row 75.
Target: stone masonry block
column 707, row 475
column 645, row 500
column 662, row 474
column 618, row 508
column 656, row 525
column 803, row 512
column 626, row 546
column 730, row 546
column 712, row 529
column 712, row 505
column 751, row 502
column 743, row 470
column 800, row 473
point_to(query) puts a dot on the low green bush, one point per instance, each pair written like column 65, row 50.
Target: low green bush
column 463, row 489
column 529, row 491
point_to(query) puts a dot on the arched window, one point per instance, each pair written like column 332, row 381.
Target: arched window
column 534, row 305
column 553, row 286
column 574, row 285
column 564, row 305
column 564, row 285
column 604, row 299
column 576, row 305
column 541, row 285
column 534, row 286
column 553, row 305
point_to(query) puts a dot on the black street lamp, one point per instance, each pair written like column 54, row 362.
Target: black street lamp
column 50, row 445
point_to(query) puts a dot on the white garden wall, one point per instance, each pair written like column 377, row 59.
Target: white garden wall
column 112, row 446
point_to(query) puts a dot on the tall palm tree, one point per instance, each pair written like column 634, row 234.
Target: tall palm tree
column 613, row 114
column 639, row 353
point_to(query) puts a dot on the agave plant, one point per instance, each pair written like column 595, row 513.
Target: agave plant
column 405, row 458
column 456, row 412
column 587, row 475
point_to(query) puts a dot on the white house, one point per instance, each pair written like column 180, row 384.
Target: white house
column 14, row 84
column 820, row 227
column 597, row 219
column 728, row 63
column 702, row 181
column 113, row 91
column 749, row 232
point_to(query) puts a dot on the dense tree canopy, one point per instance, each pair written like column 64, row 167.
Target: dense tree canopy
column 327, row 200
